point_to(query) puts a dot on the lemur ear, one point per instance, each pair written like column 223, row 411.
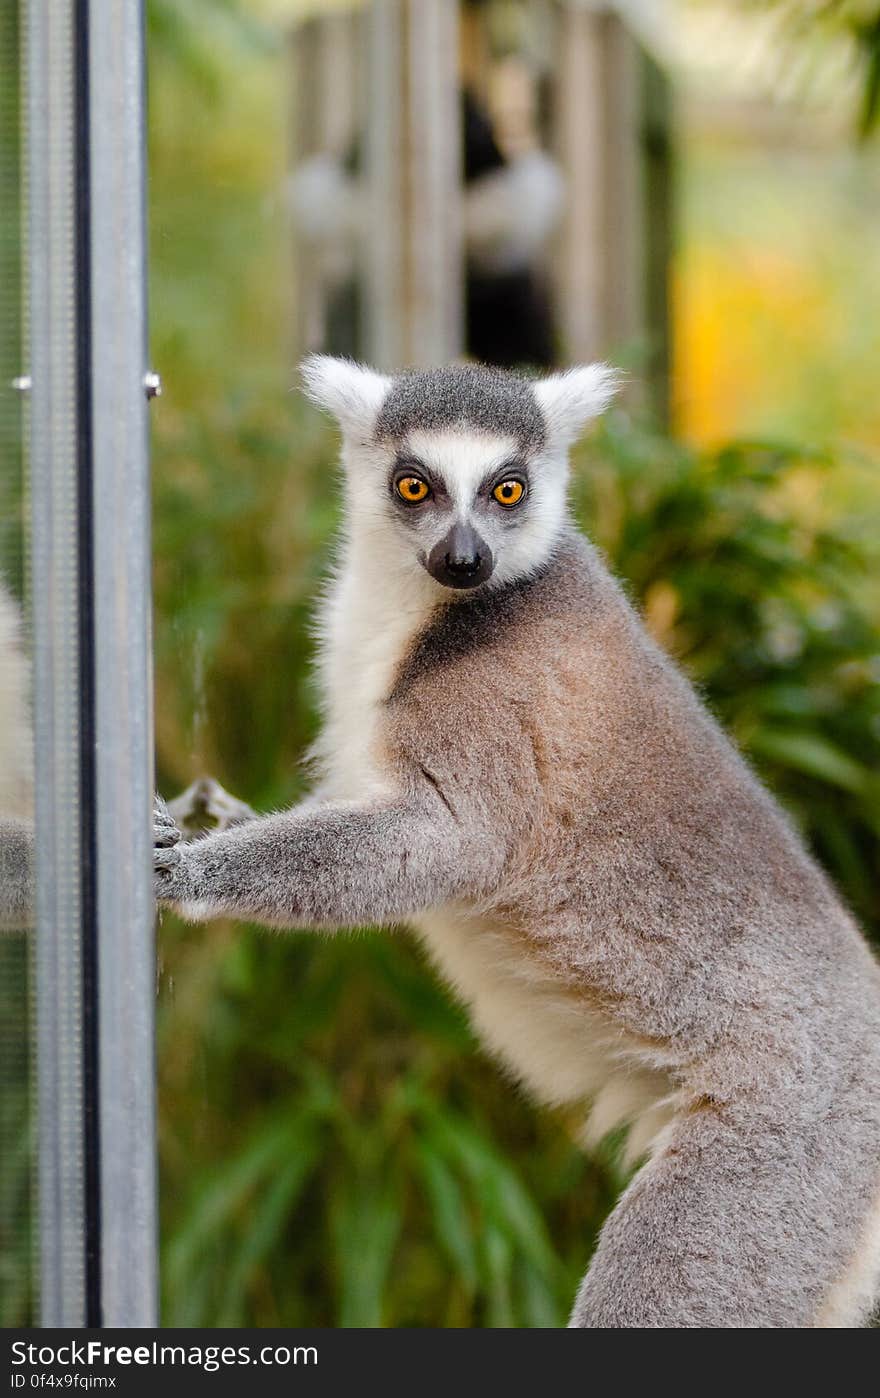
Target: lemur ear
column 351, row 392
column 569, row 400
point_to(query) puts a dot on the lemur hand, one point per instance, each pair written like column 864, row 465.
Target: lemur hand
column 169, row 861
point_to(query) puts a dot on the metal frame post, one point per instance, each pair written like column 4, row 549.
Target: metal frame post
column 95, row 979
column 125, row 912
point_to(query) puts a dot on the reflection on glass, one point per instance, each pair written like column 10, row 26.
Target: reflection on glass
column 16, row 787
column 16, row 777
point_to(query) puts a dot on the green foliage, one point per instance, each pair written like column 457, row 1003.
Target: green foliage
column 816, row 22
column 336, row 1149
column 194, row 35
column 335, row 1153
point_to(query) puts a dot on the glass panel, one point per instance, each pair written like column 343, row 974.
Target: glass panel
column 74, row 543
column 17, row 1279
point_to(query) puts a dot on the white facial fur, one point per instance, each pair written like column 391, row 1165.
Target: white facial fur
column 521, row 538
column 459, row 456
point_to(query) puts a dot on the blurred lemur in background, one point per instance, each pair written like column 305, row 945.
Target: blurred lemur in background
column 510, row 765
column 510, row 207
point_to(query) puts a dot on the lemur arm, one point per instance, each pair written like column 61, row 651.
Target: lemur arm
column 16, row 873
column 326, row 865
column 17, row 881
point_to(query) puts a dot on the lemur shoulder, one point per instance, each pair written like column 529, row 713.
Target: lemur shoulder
column 511, row 766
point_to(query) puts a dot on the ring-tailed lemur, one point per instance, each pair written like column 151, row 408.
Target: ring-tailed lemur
column 510, row 764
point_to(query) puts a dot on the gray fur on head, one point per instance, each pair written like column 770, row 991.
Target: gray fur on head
column 463, row 395
column 536, row 412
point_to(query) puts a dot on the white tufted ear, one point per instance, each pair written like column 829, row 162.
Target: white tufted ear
column 351, row 392
column 569, row 400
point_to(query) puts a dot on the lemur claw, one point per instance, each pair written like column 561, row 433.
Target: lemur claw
column 204, row 808
column 162, row 816
column 167, row 858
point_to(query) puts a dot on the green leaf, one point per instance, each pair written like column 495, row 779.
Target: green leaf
column 540, row 1304
column 215, row 1202
column 498, row 1253
column 449, row 1214
column 811, row 754
column 366, row 1225
column 262, row 1229
column 498, row 1189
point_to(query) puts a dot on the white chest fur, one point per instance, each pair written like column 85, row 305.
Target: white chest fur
column 562, row 1050
column 370, row 617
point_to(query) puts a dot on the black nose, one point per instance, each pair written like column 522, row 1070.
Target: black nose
column 461, row 559
column 464, row 564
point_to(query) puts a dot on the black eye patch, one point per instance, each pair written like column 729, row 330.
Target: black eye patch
column 514, row 470
column 406, row 465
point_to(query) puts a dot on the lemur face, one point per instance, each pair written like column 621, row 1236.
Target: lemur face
column 460, row 472
column 472, row 504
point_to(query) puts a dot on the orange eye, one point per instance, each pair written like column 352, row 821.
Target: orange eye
column 509, row 492
column 412, row 489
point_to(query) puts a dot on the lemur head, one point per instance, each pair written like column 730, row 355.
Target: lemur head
column 461, row 470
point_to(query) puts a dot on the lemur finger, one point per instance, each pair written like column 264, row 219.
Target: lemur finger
column 165, row 835
column 161, row 813
column 225, row 808
column 165, row 831
column 166, row 860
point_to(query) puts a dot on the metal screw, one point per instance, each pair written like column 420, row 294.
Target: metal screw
column 152, row 385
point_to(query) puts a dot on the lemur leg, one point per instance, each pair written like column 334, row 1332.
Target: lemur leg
column 731, row 1225
column 327, row 865
column 16, row 874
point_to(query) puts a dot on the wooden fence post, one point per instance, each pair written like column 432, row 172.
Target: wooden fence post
column 412, row 247
column 611, row 135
